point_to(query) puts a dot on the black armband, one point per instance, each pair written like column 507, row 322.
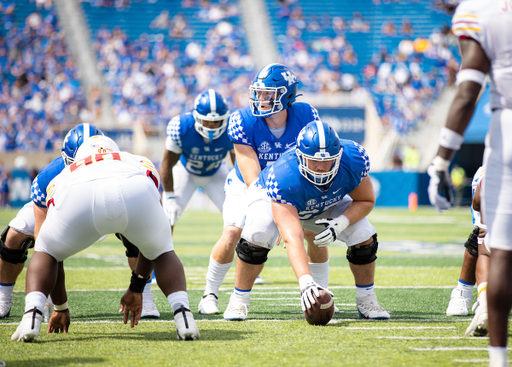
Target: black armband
column 137, row 283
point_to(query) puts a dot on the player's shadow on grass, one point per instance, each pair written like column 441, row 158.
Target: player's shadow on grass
column 54, row 361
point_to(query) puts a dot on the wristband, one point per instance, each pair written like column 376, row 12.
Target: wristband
column 62, row 307
column 450, row 139
column 137, row 283
column 441, row 164
column 343, row 221
column 169, row 195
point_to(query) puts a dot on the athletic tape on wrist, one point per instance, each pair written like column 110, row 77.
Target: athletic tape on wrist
column 169, row 195
column 450, row 139
column 440, row 163
column 137, row 283
column 470, row 75
column 344, row 222
column 62, row 307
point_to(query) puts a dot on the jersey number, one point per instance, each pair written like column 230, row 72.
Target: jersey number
column 196, row 166
column 95, row 158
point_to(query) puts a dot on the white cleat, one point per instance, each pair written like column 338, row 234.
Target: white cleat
column 149, row 310
column 208, row 305
column 460, row 303
column 186, row 326
column 237, row 309
column 336, row 309
column 478, row 326
column 259, row 280
column 28, row 329
column 48, row 309
column 5, row 306
column 369, row 308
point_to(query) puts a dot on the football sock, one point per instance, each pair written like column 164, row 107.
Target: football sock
column 363, row 290
column 35, row 299
column 215, row 276
column 6, row 290
column 147, row 287
column 177, row 299
column 465, row 286
column 245, row 295
column 498, row 356
column 320, row 273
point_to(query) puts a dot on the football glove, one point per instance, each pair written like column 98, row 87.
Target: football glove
column 333, row 228
column 306, row 294
column 440, row 181
column 171, row 207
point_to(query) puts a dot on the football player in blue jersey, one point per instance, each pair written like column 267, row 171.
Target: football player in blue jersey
column 196, row 146
column 322, row 185
column 18, row 236
column 261, row 133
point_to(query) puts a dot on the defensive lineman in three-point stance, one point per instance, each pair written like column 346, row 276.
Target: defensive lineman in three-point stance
column 322, row 185
column 484, row 29
column 104, row 191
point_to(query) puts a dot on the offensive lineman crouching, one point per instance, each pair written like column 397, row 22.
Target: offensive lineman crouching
column 105, row 191
column 323, row 186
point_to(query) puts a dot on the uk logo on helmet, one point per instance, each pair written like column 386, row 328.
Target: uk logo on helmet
column 289, row 77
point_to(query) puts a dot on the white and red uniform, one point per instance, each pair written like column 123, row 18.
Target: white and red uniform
column 490, row 24
column 114, row 192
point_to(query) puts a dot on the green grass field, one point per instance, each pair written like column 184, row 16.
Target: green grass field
column 418, row 264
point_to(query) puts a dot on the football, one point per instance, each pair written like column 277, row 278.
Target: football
column 322, row 311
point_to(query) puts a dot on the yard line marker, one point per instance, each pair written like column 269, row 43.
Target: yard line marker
column 446, row 349
column 398, row 327
column 430, row 337
column 471, row 360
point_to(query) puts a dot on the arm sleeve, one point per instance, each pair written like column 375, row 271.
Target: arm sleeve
column 236, row 129
column 173, row 140
column 149, row 170
column 466, row 24
column 365, row 160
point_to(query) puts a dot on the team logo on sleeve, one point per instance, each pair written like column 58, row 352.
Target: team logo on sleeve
column 264, row 147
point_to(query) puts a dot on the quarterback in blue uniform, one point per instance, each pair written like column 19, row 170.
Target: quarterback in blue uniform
column 261, row 133
column 323, row 186
column 196, row 146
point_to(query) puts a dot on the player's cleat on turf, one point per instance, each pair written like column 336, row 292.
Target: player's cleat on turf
column 149, row 310
column 336, row 309
column 259, row 280
column 5, row 306
column 28, row 329
column 478, row 326
column 460, row 303
column 237, row 309
column 186, row 326
column 208, row 305
column 47, row 310
column 369, row 308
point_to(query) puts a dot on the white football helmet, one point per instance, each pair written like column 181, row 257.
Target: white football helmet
column 96, row 145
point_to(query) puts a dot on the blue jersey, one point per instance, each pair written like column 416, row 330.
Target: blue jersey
column 197, row 155
column 247, row 129
column 285, row 184
column 40, row 183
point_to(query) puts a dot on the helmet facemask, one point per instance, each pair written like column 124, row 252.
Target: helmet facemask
column 210, row 133
column 210, row 106
column 314, row 176
column 269, row 96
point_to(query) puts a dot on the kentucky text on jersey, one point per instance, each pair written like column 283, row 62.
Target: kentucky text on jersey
column 247, row 129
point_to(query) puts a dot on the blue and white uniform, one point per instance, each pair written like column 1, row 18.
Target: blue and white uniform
column 283, row 183
column 247, row 129
column 25, row 222
column 201, row 163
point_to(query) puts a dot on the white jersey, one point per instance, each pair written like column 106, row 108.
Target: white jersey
column 489, row 23
column 477, row 178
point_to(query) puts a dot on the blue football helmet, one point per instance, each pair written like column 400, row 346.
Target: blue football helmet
column 74, row 138
column 210, row 106
column 273, row 89
column 318, row 142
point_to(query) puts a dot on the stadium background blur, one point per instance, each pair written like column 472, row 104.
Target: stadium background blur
column 381, row 72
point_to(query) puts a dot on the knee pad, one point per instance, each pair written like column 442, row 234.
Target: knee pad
column 11, row 255
column 471, row 244
column 250, row 254
column 365, row 254
column 131, row 249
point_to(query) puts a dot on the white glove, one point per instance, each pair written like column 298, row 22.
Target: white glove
column 440, row 181
column 171, row 207
column 308, row 288
column 333, row 228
